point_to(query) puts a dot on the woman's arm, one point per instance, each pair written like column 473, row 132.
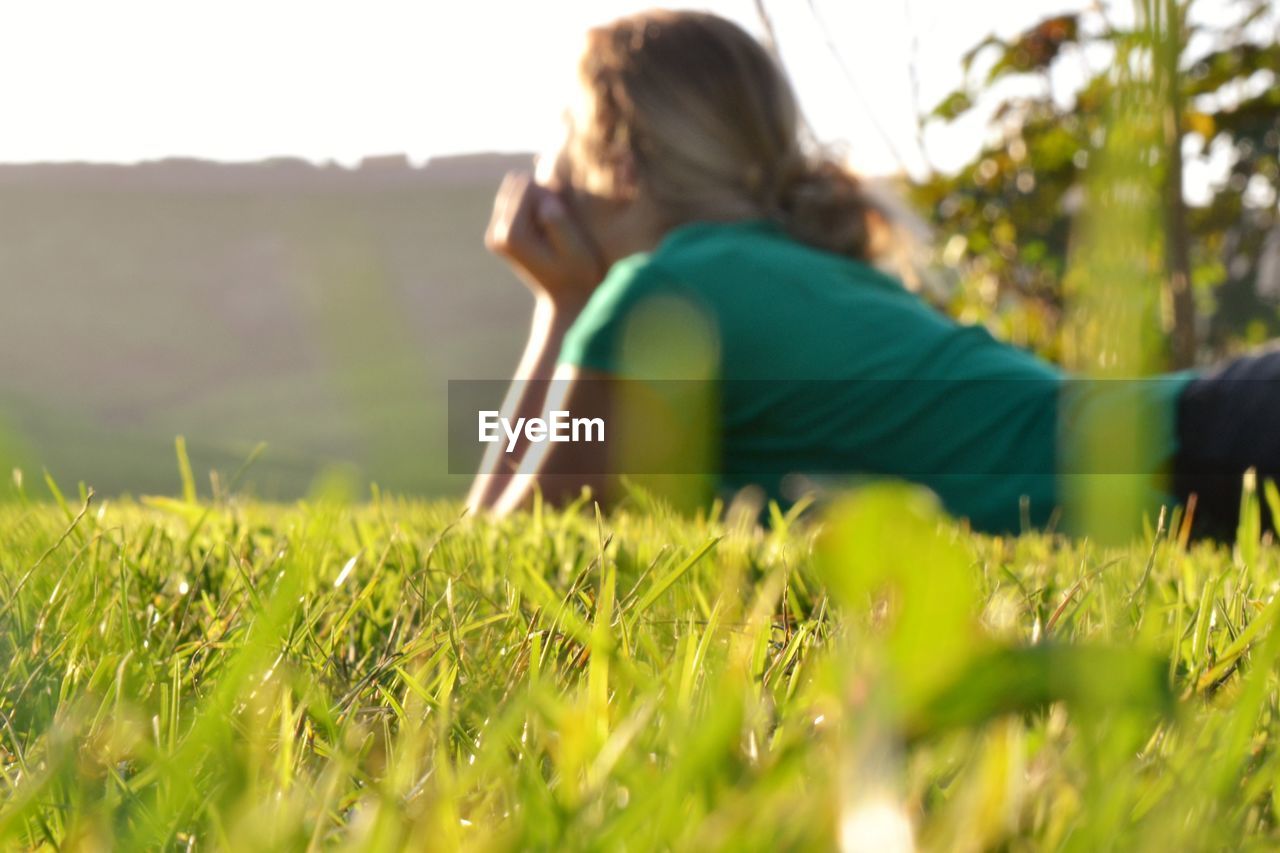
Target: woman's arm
column 526, row 397
column 560, row 470
column 532, row 229
column 658, row 438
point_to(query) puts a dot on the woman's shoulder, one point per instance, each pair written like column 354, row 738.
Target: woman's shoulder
column 751, row 275
column 635, row 276
column 638, row 296
column 743, row 251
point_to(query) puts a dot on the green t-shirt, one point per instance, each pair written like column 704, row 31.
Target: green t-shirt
column 824, row 365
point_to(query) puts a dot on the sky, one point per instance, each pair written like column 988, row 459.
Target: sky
column 130, row 80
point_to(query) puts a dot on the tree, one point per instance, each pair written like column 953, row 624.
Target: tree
column 1010, row 211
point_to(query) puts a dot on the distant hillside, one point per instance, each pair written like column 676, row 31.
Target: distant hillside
column 393, row 171
column 318, row 308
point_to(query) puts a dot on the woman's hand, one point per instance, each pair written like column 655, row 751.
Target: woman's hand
column 533, row 230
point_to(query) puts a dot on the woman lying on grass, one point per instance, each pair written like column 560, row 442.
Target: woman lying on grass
column 684, row 236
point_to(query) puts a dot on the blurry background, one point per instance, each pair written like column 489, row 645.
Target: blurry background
column 317, row 308
column 245, row 222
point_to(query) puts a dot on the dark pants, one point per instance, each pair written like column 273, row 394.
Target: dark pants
column 1228, row 421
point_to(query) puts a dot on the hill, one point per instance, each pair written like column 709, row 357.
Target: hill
column 318, row 308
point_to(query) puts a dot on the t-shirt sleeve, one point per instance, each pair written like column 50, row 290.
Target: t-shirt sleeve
column 641, row 323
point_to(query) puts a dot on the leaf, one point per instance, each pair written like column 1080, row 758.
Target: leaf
column 184, row 469
column 1249, row 530
column 1241, row 644
column 1231, row 64
column 1037, row 47
column 953, row 106
column 664, row 583
column 1201, row 124
column 346, row 570
column 966, row 61
column 884, row 544
column 1021, row 679
column 1273, row 501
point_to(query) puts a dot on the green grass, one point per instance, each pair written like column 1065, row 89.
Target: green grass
column 233, row 675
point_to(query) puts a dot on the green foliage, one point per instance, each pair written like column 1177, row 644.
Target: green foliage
column 1009, row 214
column 234, row 675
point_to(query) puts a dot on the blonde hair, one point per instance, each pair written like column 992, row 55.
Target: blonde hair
column 712, row 126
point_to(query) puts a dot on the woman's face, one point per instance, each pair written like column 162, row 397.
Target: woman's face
column 560, row 169
column 618, row 224
column 553, row 168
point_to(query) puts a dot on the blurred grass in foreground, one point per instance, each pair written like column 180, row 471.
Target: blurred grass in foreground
column 243, row 676
column 1117, row 273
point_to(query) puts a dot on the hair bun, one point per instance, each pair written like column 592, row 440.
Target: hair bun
column 693, row 110
column 824, row 204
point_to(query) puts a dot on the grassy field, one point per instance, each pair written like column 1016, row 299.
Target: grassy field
column 190, row 674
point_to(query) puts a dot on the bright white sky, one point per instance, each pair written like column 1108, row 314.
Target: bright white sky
column 126, row 80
